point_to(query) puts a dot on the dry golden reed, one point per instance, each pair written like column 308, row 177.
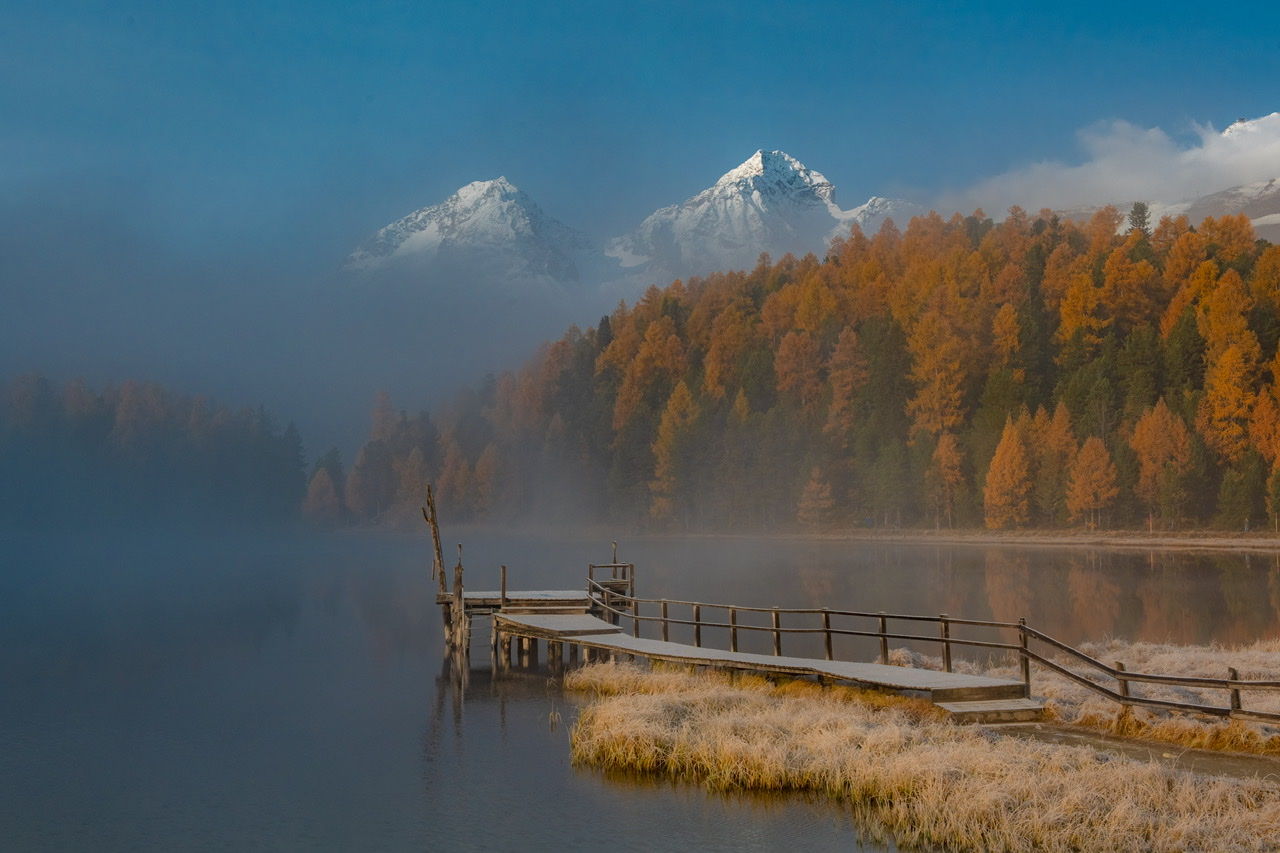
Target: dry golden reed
column 1069, row 702
column 907, row 773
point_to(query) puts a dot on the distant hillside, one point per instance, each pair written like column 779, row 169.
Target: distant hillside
column 1032, row 372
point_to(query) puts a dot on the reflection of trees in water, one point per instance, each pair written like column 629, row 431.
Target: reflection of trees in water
column 398, row 609
column 1009, row 585
column 1095, row 598
column 1177, row 602
column 1273, row 581
column 1247, row 615
column 133, row 616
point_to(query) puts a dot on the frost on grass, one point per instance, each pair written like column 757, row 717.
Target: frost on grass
column 1075, row 704
column 907, row 771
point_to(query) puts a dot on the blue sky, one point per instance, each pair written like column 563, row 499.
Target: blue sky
column 216, row 124
column 178, row 179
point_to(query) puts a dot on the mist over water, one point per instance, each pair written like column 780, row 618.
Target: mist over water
column 203, row 691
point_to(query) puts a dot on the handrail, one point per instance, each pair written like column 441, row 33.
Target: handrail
column 606, row 598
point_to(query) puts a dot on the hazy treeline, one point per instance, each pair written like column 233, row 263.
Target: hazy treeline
column 1032, row 372
column 137, row 452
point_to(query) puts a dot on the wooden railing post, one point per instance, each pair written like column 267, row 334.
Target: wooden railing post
column 946, row 642
column 1122, row 681
column 697, row 625
column 665, row 636
column 733, row 630
column 502, row 601
column 1235, row 691
column 777, row 633
column 1022, row 653
column 884, row 641
column 826, row 631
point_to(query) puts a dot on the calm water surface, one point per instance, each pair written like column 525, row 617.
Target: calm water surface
column 190, row 692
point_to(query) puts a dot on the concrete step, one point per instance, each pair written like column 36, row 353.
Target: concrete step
column 995, row 710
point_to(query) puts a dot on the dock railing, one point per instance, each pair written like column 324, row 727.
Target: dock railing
column 616, row 600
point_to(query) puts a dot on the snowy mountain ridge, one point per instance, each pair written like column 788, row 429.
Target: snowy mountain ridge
column 771, row 203
column 490, row 222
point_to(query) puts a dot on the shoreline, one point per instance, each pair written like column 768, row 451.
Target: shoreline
column 1260, row 542
column 910, row 777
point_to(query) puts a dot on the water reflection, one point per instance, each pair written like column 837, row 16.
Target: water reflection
column 189, row 691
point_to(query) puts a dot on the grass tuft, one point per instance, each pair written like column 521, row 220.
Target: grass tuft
column 907, row 773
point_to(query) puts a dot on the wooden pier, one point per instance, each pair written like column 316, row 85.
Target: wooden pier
column 592, row 623
column 585, row 624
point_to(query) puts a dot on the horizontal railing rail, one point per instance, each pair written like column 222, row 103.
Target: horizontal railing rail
column 618, row 605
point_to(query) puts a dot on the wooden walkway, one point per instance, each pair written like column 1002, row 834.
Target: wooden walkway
column 967, row 697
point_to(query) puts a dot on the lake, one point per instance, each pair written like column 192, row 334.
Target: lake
column 192, row 692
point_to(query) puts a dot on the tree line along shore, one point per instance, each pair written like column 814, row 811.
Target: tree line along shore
column 1029, row 374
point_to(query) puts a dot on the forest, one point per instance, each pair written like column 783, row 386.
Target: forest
column 137, row 453
column 1031, row 373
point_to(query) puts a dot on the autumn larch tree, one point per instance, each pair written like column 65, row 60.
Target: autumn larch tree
column 671, row 455
column 1163, row 445
column 1092, row 487
column 322, row 505
column 1006, row 496
column 816, row 503
column 944, row 479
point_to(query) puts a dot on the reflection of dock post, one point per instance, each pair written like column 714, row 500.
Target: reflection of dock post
column 555, row 655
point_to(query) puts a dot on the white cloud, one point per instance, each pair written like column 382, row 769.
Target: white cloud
column 1125, row 163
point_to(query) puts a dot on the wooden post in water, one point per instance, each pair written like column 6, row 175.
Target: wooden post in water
column 826, row 631
column 437, row 568
column 1023, row 656
column 1122, row 681
column 461, row 627
column 1235, row 691
column 946, row 642
column 777, row 633
column 884, row 641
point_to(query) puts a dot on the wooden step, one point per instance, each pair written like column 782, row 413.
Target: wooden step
column 995, row 710
column 979, row 693
column 545, row 610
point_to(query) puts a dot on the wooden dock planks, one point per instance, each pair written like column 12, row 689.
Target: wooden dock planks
column 940, row 687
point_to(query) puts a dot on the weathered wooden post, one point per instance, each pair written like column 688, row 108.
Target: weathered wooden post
column 884, row 641
column 665, row 632
column 1122, row 682
column 826, row 631
column 555, row 655
column 945, row 627
column 502, row 596
column 697, row 625
column 733, row 630
column 437, row 567
column 1024, row 654
column 777, row 633
column 1235, row 691
column 461, row 627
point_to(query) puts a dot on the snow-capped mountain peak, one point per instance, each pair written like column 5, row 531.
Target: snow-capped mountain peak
column 493, row 222
column 1243, row 128
column 777, row 172
column 771, row 203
